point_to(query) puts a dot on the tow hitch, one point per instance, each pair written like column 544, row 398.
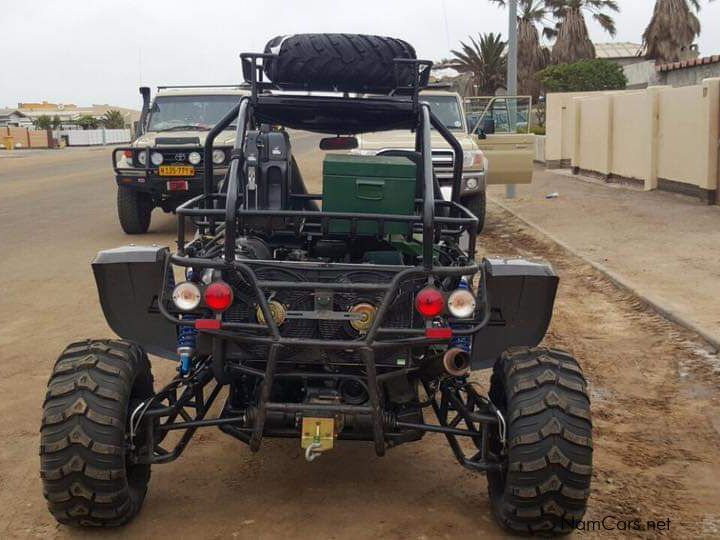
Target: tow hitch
column 318, row 435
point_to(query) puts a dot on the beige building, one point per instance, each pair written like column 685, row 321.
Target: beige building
column 69, row 113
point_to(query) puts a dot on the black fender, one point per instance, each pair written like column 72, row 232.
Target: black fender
column 521, row 294
column 129, row 280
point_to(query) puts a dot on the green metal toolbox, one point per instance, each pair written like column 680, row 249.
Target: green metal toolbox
column 370, row 184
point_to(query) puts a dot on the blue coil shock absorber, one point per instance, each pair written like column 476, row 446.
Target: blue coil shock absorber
column 462, row 342
column 187, row 335
column 186, row 343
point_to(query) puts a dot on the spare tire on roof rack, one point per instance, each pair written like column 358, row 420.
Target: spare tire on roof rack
column 341, row 62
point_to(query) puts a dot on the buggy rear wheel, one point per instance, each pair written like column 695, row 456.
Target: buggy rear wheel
column 134, row 210
column 88, row 478
column 545, row 481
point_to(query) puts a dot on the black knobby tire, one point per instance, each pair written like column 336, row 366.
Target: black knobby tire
column 344, row 61
column 87, row 477
column 134, row 210
column 477, row 205
column 545, row 483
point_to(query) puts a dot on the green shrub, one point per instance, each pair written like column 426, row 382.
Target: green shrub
column 584, row 76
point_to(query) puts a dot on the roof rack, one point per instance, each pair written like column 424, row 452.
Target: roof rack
column 253, row 65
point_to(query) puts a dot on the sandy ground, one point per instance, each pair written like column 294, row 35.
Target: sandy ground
column 666, row 246
column 654, row 390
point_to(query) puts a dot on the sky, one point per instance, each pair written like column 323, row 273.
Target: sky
column 99, row 51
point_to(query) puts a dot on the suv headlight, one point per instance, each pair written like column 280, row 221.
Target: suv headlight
column 218, row 156
column 473, row 159
column 142, row 157
column 194, row 158
column 156, row 158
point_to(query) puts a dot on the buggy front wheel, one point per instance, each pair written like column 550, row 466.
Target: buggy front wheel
column 544, row 483
column 87, row 474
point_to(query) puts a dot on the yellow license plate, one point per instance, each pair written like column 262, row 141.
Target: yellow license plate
column 176, row 170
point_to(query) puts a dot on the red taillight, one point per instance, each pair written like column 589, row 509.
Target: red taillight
column 128, row 154
column 429, row 302
column 218, row 296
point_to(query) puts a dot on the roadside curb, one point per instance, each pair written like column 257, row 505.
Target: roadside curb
column 620, row 282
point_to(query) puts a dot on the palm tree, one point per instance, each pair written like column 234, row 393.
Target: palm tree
column 672, row 29
column 532, row 57
column 486, row 60
column 43, row 122
column 113, row 119
column 573, row 42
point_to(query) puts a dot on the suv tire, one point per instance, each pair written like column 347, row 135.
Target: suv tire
column 134, row 210
column 545, row 482
column 343, row 61
column 87, row 477
column 477, row 205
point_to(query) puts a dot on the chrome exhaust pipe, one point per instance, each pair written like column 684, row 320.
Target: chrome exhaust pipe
column 456, row 362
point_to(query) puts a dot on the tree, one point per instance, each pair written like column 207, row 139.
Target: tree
column 532, row 57
column 672, row 29
column 486, row 60
column 113, row 119
column 584, row 76
column 56, row 122
column 87, row 122
column 43, row 122
column 572, row 40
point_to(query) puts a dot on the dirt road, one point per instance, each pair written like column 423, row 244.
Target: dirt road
column 654, row 390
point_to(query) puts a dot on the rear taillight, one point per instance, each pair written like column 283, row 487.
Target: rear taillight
column 186, row 296
column 429, row 302
column 218, row 296
column 461, row 304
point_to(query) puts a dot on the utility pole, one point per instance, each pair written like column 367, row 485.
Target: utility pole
column 512, row 73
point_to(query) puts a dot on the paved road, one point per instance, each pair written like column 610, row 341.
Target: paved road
column 654, row 397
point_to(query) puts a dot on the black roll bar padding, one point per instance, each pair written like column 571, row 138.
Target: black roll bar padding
column 208, row 151
column 429, row 206
column 234, row 181
column 457, row 150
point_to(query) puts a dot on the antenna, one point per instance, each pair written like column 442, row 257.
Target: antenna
column 140, row 81
column 447, row 28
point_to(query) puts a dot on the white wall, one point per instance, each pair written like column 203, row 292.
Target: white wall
column 95, row 137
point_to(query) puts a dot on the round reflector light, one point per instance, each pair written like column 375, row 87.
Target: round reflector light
column 218, row 296
column 461, row 304
column 186, row 296
column 142, row 157
column 429, row 302
column 194, row 158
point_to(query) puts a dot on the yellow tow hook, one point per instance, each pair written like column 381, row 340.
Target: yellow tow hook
column 317, row 436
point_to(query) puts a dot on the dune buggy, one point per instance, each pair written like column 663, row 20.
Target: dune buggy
column 361, row 320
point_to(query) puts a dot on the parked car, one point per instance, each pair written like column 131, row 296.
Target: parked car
column 164, row 166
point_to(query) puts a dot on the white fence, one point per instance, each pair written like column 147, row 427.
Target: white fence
column 540, row 148
column 95, row 137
